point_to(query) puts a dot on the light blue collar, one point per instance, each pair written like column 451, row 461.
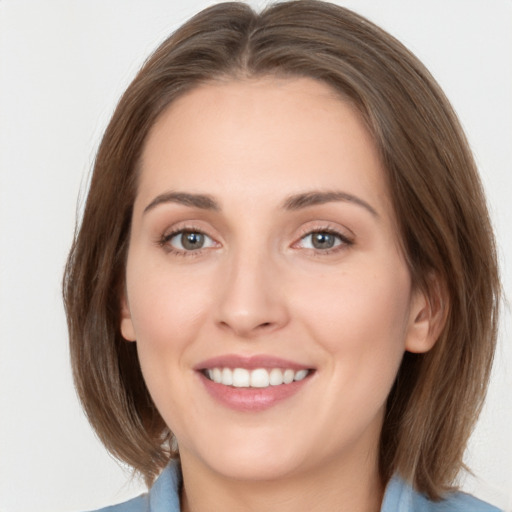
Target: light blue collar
column 164, row 496
column 401, row 497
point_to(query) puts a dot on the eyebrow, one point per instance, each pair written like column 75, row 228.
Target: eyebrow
column 292, row 203
column 300, row 201
column 202, row 201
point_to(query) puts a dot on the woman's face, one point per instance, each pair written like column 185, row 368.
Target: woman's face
column 264, row 250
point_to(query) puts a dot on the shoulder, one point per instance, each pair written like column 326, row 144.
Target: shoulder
column 138, row 504
column 162, row 497
column 400, row 497
column 466, row 502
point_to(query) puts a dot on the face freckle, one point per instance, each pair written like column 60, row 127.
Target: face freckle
column 263, row 238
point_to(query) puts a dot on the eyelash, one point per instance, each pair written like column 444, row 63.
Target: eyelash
column 345, row 241
column 164, row 240
column 167, row 237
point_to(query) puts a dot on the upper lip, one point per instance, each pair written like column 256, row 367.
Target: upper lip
column 249, row 362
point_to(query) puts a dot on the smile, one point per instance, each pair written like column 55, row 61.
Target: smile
column 254, row 383
column 256, row 378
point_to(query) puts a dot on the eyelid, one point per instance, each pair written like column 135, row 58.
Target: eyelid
column 346, row 240
column 166, row 237
column 181, row 232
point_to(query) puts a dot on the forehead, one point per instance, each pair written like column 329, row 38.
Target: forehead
column 259, row 139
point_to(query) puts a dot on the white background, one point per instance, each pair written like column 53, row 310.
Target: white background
column 63, row 65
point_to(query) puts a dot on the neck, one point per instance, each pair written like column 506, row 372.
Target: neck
column 334, row 487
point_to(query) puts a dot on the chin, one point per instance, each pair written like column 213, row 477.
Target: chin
column 256, row 459
column 257, row 468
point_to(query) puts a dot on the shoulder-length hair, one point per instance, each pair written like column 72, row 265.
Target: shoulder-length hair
column 436, row 194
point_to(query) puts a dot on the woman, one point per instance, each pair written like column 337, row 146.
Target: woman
column 283, row 293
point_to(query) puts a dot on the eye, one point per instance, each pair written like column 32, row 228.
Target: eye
column 188, row 240
column 323, row 240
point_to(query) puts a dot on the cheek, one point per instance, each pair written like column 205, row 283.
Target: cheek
column 167, row 312
column 165, row 306
column 361, row 319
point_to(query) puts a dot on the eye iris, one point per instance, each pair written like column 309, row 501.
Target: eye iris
column 192, row 241
column 322, row 240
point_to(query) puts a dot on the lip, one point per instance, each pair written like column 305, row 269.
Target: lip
column 251, row 399
column 250, row 363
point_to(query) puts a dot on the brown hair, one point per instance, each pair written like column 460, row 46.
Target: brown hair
column 434, row 186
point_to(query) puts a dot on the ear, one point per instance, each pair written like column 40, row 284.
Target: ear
column 428, row 314
column 127, row 330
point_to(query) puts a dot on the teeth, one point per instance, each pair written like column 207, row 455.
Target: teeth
column 276, row 377
column 288, row 376
column 227, row 377
column 301, row 374
column 217, row 375
column 241, row 378
column 258, row 378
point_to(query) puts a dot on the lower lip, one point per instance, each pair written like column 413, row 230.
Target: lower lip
column 251, row 399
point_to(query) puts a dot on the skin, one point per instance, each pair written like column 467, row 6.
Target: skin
column 259, row 286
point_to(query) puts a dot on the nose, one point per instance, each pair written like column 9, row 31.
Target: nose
column 251, row 300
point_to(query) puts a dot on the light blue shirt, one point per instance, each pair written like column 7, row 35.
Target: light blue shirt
column 399, row 497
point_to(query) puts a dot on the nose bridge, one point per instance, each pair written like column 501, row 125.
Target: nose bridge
column 250, row 299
